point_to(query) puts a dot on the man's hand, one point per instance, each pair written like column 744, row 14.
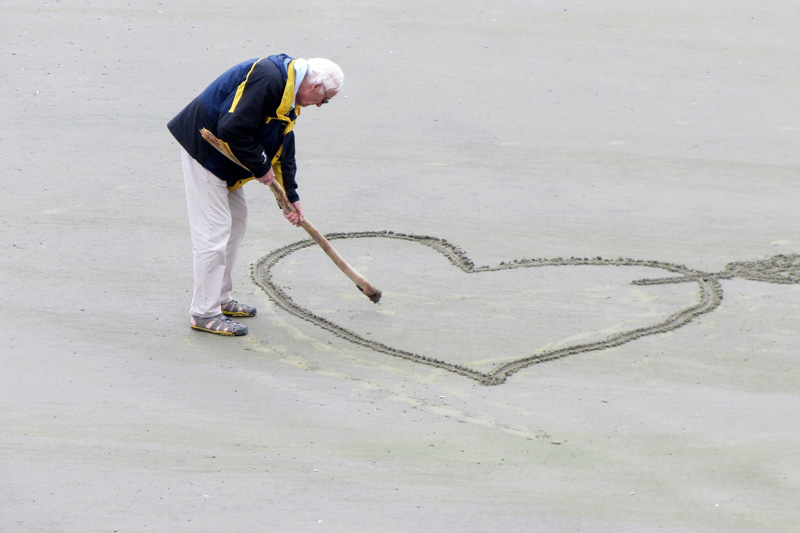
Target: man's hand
column 267, row 178
column 295, row 218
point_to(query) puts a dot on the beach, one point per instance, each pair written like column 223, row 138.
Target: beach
column 513, row 177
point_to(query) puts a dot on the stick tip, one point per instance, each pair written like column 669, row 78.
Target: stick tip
column 374, row 294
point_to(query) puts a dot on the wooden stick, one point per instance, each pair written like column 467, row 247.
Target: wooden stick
column 283, row 201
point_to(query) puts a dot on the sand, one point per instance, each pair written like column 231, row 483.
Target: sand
column 583, row 220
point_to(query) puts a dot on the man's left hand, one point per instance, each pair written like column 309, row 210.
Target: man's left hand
column 296, row 218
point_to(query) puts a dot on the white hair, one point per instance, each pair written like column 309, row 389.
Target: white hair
column 325, row 71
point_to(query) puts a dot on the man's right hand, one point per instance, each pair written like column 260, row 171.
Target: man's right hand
column 267, row 178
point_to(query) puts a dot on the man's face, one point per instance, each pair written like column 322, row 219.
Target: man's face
column 313, row 94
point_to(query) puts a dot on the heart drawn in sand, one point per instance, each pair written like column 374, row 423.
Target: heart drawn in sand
column 778, row 269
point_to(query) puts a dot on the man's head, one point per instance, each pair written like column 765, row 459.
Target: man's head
column 323, row 81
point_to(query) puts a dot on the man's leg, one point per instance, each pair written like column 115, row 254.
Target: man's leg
column 210, row 226
column 237, row 204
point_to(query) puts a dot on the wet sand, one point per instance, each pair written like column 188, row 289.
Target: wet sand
column 510, row 176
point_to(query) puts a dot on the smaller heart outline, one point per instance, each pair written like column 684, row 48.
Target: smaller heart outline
column 779, row 269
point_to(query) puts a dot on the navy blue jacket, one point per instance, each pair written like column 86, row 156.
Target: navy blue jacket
column 249, row 108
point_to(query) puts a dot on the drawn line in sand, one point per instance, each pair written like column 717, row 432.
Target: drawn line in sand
column 783, row 269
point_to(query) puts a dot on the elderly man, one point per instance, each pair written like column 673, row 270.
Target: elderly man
column 252, row 108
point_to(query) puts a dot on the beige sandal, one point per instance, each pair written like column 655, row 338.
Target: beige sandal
column 219, row 325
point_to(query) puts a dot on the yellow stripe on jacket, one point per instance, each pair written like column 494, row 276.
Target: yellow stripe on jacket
column 240, row 88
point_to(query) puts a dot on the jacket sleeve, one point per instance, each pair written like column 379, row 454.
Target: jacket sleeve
column 257, row 97
column 289, row 168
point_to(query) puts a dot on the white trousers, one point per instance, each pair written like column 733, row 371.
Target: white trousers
column 217, row 222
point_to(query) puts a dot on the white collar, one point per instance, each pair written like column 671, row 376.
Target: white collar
column 300, row 69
